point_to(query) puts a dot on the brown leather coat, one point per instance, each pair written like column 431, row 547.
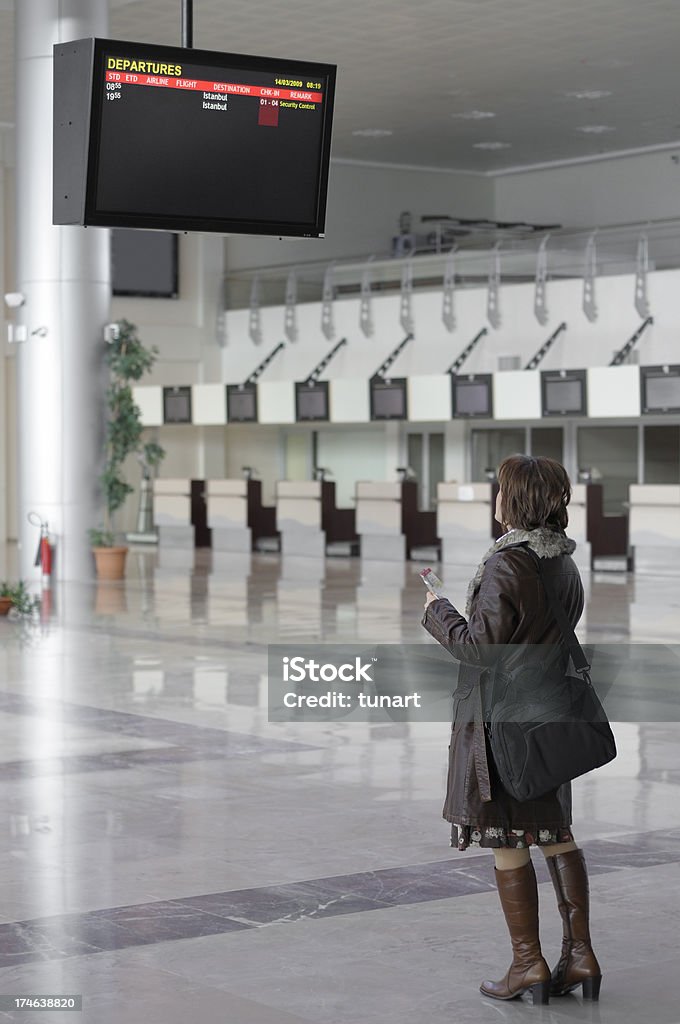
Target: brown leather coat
column 509, row 607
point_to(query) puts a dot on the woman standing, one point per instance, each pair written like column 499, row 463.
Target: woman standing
column 507, row 605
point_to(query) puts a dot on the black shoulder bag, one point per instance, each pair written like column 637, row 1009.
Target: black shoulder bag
column 546, row 735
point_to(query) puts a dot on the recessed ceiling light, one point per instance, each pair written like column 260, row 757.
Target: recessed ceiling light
column 596, row 129
column 588, row 94
column 491, row 145
column 474, row 115
column 373, row 133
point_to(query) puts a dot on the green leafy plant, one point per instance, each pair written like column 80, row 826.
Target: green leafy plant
column 22, row 602
column 128, row 360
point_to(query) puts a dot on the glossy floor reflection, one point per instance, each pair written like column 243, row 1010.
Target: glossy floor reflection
column 172, row 855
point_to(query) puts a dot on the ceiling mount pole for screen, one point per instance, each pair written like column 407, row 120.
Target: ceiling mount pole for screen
column 622, row 354
column 535, row 360
column 264, row 364
column 320, row 367
column 384, row 367
column 457, row 363
column 187, row 24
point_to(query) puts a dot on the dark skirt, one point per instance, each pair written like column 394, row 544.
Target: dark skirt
column 492, row 837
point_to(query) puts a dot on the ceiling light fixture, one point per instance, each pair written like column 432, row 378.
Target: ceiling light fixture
column 373, row 133
column 596, row 129
column 588, row 94
column 491, row 145
column 474, row 115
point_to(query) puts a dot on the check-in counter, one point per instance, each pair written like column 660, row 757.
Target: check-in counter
column 308, row 520
column 236, row 517
column 172, row 512
column 388, row 521
column 655, row 528
column 606, row 534
column 578, row 526
column 227, row 502
column 299, row 517
column 464, row 522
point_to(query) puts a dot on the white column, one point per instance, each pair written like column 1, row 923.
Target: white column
column 4, row 425
column 64, row 274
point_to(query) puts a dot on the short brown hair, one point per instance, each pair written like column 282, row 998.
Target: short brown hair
column 535, row 492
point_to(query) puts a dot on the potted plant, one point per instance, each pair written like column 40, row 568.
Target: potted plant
column 16, row 596
column 128, row 360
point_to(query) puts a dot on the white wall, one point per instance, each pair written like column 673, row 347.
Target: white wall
column 364, row 203
column 589, row 195
column 185, row 333
column 583, row 344
column 3, row 373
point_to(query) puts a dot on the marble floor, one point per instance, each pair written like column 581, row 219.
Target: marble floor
column 171, row 855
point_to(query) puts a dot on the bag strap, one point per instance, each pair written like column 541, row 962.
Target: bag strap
column 579, row 660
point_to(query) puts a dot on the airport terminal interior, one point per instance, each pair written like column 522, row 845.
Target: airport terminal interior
column 473, row 251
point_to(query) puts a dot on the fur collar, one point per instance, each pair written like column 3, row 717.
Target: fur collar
column 545, row 542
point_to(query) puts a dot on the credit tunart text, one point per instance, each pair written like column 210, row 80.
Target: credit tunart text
column 300, row 670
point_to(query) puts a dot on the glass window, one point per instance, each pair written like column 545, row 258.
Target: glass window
column 611, row 454
column 436, row 474
column 662, row 454
column 490, row 447
column 548, row 441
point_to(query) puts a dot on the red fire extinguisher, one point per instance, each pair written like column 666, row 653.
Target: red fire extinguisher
column 43, row 556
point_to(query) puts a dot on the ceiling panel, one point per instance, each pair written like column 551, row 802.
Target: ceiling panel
column 426, row 72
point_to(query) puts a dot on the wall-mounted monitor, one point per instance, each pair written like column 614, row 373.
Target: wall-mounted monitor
column 660, row 387
column 144, row 264
column 177, row 139
column 177, row 405
column 311, row 401
column 241, row 403
column 472, row 395
column 563, row 393
column 388, row 398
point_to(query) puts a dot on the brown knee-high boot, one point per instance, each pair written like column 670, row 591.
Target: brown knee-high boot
column 577, row 964
column 529, row 971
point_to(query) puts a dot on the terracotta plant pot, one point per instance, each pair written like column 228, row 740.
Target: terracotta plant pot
column 5, row 605
column 110, row 563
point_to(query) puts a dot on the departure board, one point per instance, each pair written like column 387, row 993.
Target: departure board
column 201, row 140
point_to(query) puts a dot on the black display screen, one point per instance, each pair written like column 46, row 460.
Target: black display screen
column 201, row 140
column 177, row 405
column 388, row 399
column 472, row 396
column 144, row 263
column 242, row 403
column 661, row 389
column 564, row 393
column 311, row 401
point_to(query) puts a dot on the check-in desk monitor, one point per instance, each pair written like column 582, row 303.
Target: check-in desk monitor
column 177, row 405
column 388, row 398
column 241, row 403
column 563, row 393
column 660, row 387
column 311, row 401
column 471, row 395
